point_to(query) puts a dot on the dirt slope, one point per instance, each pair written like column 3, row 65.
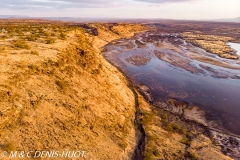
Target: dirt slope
column 66, row 97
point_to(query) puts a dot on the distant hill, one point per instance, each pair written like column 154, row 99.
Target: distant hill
column 237, row 19
column 229, row 20
column 111, row 20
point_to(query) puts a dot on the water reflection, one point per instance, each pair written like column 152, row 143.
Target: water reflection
column 172, row 68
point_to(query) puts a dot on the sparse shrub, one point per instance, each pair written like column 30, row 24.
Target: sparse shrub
column 147, row 155
column 32, row 66
column 62, row 36
column 175, row 127
column 20, row 35
column 168, row 127
column 32, row 37
column 34, row 52
column 164, row 116
column 148, row 117
column 185, row 141
column 9, row 147
column 53, row 34
column 61, row 84
column 50, row 41
column 25, row 52
column 189, row 134
column 156, row 153
column 20, row 44
column 192, row 155
column 4, row 37
column 95, row 71
column 183, row 131
column 123, row 144
column 45, row 34
column 153, row 137
column 2, row 48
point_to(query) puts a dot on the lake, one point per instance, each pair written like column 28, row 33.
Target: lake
column 172, row 68
column 235, row 46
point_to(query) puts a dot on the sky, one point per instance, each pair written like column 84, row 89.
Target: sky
column 168, row 9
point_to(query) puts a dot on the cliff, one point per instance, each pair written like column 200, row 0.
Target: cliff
column 64, row 95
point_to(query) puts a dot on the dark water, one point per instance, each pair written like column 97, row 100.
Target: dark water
column 170, row 72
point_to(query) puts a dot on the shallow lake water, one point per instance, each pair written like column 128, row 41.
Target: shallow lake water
column 172, row 68
column 235, row 46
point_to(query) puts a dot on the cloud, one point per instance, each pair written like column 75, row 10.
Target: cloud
column 162, row 1
column 66, row 4
column 28, row 4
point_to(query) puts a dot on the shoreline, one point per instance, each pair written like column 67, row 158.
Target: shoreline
column 212, row 133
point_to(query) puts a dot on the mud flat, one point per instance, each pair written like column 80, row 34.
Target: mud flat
column 138, row 60
column 177, row 61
